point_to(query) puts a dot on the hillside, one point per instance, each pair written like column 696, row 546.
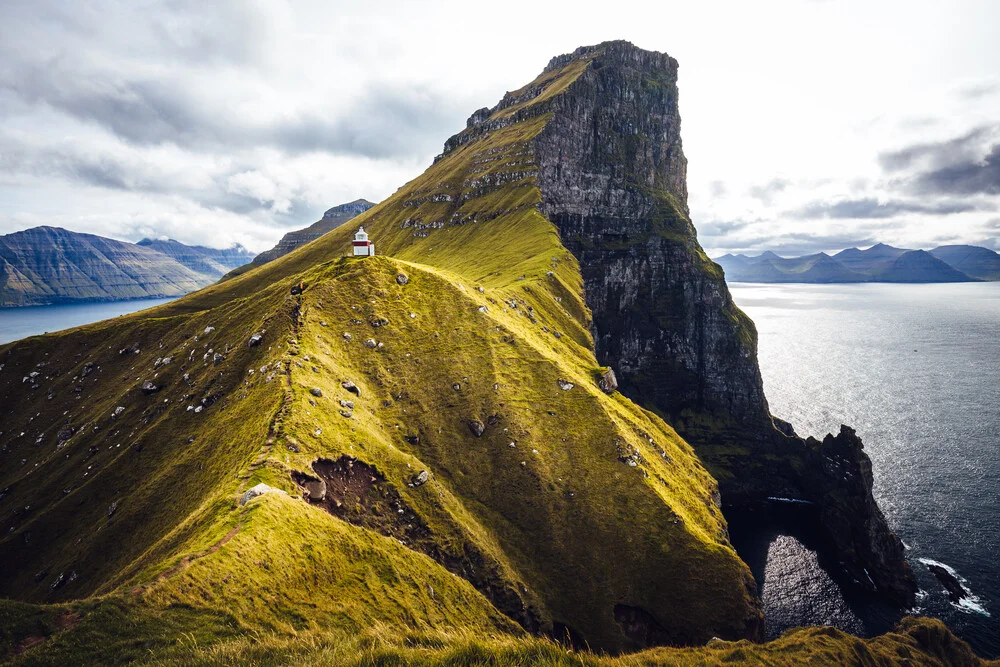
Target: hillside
column 48, row 265
column 980, row 263
column 447, row 465
column 880, row 263
column 331, row 219
column 213, row 262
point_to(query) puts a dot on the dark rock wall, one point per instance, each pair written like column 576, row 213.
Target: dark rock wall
column 612, row 173
column 613, row 177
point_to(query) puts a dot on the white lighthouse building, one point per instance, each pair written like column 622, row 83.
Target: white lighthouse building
column 362, row 246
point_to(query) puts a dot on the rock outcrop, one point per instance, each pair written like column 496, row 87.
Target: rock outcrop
column 612, row 175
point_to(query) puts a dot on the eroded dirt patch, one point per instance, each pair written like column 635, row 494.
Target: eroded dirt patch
column 357, row 492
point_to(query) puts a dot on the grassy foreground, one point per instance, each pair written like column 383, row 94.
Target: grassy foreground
column 109, row 632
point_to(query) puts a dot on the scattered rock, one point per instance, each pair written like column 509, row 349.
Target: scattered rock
column 256, row 339
column 346, row 414
column 377, row 322
column 608, row 382
column 258, row 490
column 564, row 384
column 347, row 337
column 420, row 479
column 209, row 330
column 371, row 343
column 351, row 387
column 118, row 411
column 951, row 584
column 457, row 386
column 149, row 387
column 402, row 278
column 477, row 427
column 217, row 358
column 482, row 309
column 317, row 392
column 314, row 488
column 112, row 509
column 347, row 404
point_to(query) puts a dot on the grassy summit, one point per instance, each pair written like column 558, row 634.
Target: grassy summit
column 468, row 482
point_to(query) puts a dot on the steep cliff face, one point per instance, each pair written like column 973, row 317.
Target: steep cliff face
column 611, row 171
column 332, row 219
column 613, row 179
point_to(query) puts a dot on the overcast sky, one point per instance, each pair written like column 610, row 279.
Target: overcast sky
column 808, row 125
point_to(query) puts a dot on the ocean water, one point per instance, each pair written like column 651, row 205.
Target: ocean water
column 915, row 369
column 17, row 323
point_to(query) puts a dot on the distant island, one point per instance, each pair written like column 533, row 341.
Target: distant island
column 50, row 265
column 880, row 263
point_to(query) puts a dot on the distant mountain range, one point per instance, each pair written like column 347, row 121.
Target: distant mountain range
column 880, row 263
column 49, row 265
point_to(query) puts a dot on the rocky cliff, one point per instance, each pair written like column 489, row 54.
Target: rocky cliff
column 611, row 171
column 331, row 219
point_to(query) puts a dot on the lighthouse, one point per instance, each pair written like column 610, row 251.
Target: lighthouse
column 362, row 246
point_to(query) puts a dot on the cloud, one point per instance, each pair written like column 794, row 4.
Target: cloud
column 966, row 178
column 977, row 91
column 960, row 149
column 765, row 193
column 873, row 208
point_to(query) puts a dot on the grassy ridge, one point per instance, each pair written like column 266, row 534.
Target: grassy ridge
column 599, row 522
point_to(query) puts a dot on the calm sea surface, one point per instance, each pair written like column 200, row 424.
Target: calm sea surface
column 915, row 369
column 18, row 323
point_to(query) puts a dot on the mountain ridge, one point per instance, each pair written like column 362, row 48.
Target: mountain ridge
column 424, row 451
column 879, row 263
column 47, row 265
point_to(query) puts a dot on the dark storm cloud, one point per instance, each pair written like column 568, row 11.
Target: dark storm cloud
column 965, row 148
column 966, row 178
column 868, row 208
column 135, row 72
column 383, row 122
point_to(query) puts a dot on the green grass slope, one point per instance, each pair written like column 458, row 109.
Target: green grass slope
column 574, row 512
column 447, row 394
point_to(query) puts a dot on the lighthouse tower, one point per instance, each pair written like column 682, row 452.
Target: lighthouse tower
column 362, row 246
